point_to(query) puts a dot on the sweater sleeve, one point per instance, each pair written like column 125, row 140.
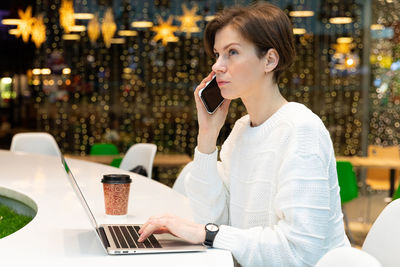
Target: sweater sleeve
column 302, row 206
column 206, row 190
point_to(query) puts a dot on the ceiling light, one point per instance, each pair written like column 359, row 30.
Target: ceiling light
column 301, row 13
column 340, row 20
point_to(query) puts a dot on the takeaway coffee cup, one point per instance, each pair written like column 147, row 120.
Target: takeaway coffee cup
column 116, row 193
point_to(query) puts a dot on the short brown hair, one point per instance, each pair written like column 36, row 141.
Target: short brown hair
column 263, row 24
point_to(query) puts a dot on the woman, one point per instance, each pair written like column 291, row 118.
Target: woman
column 275, row 201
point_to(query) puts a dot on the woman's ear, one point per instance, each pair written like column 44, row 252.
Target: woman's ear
column 271, row 60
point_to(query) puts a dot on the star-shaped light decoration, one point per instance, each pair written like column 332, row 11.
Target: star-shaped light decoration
column 24, row 27
column 38, row 31
column 93, row 29
column 108, row 27
column 189, row 20
column 165, row 31
column 67, row 19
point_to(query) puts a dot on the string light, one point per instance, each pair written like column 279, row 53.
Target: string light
column 144, row 88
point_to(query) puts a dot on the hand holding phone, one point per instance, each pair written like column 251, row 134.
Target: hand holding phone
column 211, row 96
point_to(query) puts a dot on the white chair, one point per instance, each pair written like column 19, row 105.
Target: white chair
column 347, row 257
column 180, row 180
column 383, row 238
column 139, row 154
column 35, row 143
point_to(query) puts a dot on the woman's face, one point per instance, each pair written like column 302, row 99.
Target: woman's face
column 238, row 69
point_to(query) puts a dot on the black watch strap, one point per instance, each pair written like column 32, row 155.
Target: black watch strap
column 211, row 231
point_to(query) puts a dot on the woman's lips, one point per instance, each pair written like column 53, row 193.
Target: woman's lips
column 222, row 83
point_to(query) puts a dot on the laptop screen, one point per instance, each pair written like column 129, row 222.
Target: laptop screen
column 78, row 192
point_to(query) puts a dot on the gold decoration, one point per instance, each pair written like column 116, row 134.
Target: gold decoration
column 93, row 29
column 25, row 26
column 67, row 19
column 165, row 30
column 108, row 27
column 189, row 20
column 38, row 31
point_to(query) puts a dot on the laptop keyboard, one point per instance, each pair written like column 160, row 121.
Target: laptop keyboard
column 127, row 236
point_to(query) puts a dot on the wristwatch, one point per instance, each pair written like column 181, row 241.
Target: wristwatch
column 211, row 231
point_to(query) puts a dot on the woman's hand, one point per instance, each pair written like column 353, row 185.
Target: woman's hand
column 189, row 231
column 209, row 125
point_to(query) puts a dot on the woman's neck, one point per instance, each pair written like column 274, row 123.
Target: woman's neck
column 263, row 103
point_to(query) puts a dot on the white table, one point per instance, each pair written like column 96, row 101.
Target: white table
column 61, row 231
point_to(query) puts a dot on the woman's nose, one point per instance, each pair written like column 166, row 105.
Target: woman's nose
column 219, row 66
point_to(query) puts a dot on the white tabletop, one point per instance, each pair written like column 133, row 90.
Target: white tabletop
column 61, row 231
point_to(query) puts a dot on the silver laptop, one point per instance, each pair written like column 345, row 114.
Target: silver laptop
column 119, row 239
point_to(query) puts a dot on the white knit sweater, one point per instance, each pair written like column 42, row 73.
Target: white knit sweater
column 276, row 195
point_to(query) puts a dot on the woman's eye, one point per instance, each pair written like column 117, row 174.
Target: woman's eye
column 216, row 55
column 232, row 52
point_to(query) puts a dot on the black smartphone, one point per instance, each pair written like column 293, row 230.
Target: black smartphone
column 211, row 96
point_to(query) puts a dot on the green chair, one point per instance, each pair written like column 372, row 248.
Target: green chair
column 116, row 162
column 348, row 188
column 347, row 181
column 104, row 149
column 396, row 194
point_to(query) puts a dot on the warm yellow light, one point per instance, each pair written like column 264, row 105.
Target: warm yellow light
column 189, row 20
column 77, row 28
column 299, row 31
column 66, row 71
column 377, row 27
column 36, row 71
column 10, row 21
column 301, row 13
column 83, row 16
column 38, row 31
column 67, row 82
column 349, row 62
column 67, row 19
column 14, row 32
column 172, row 39
column 36, row 82
column 142, row 24
column 6, row 80
column 209, row 17
column 344, row 40
column 71, row 36
column 108, row 27
column 25, row 25
column 117, row 40
column 94, row 29
column 340, row 20
column 165, row 30
column 127, row 33
column 45, row 71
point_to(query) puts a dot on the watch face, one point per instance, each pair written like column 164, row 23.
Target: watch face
column 212, row 227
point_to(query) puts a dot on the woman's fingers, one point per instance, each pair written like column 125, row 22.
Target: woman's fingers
column 187, row 230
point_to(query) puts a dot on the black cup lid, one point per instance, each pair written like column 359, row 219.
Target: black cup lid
column 116, row 179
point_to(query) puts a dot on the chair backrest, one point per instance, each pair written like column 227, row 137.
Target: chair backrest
column 347, row 257
column 347, row 181
column 179, row 184
column 139, row 154
column 382, row 240
column 103, row 149
column 378, row 178
column 35, row 143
